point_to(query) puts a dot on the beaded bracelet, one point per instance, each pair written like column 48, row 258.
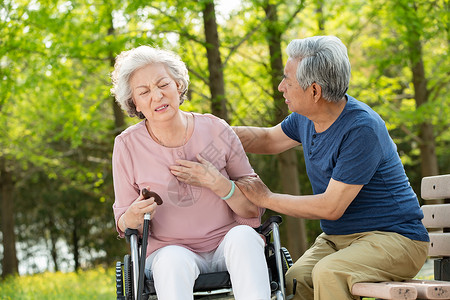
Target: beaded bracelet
column 233, row 187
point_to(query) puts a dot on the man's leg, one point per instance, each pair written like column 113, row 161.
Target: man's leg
column 302, row 269
column 370, row 256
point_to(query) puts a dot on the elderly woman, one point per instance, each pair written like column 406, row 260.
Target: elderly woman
column 191, row 160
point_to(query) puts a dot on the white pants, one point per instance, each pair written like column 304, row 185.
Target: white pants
column 175, row 268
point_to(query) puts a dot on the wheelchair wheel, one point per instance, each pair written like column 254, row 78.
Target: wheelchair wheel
column 128, row 278
column 119, row 281
column 286, row 259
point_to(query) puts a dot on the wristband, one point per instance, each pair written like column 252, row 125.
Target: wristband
column 233, row 187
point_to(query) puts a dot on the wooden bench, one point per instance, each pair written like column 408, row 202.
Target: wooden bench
column 437, row 221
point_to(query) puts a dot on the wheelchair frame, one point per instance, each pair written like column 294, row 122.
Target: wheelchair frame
column 130, row 275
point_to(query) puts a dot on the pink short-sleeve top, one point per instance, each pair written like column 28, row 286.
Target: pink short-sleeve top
column 191, row 216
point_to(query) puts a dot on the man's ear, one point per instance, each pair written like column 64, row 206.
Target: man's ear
column 317, row 91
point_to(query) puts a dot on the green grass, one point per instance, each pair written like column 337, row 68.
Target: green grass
column 93, row 284
column 97, row 284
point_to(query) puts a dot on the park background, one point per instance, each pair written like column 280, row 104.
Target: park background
column 58, row 119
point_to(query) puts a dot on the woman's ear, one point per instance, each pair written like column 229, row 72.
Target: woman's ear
column 135, row 105
column 180, row 91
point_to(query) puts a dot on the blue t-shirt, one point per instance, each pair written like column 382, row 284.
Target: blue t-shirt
column 357, row 149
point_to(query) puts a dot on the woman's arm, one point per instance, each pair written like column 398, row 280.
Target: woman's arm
column 133, row 217
column 205, row 174
column 129, row 206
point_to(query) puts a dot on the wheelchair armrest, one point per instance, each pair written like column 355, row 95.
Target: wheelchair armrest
column 265, row 228
column 129, row 232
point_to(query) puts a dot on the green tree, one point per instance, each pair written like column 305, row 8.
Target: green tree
column 287, row 161
column 58, row 122
column 411, row 82
column 58, row 118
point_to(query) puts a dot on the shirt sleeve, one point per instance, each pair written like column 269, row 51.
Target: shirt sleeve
column 360, row 155
column 124, row 188
column 237, row 163
column 239, row 166
column 290, row 126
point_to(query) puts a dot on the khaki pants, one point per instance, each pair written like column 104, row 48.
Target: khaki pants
column 328, row 270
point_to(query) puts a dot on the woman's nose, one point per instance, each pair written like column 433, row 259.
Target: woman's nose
column 156, row 95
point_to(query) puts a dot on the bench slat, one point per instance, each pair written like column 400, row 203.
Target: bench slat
column 436, row 187
column 439, row 244
column 431, row 289
column 436, row 215
column 385, row 290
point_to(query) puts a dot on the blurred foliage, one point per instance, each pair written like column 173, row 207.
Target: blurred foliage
column 56, row 112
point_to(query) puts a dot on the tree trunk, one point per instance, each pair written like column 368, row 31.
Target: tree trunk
column 9, row 263
column 428, row 158
column 52, row 240
column 75, row 244
column 320, row 16
column 296, row 229
column 215, row 67
column 287, row 161
column 119, row 120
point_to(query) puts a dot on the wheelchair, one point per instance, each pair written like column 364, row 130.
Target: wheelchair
column 132, row 284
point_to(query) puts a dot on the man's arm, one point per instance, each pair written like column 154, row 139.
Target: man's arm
column 329, row 205
column 261, row 140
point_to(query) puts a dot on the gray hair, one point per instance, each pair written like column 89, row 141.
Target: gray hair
column 323, row 60
column 129, row 61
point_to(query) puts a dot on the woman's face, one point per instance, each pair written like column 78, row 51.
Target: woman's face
column 155, row 93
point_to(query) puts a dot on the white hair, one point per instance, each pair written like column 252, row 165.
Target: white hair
column 323, row 60
column 129, row 61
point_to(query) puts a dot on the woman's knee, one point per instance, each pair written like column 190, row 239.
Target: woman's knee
column 173, row 258
column 243, row 247
column 243, row 235
column 241, row 232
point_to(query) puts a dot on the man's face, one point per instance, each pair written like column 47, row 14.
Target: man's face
column 297, row 99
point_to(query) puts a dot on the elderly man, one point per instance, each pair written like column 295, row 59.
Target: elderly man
column 369, row 214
